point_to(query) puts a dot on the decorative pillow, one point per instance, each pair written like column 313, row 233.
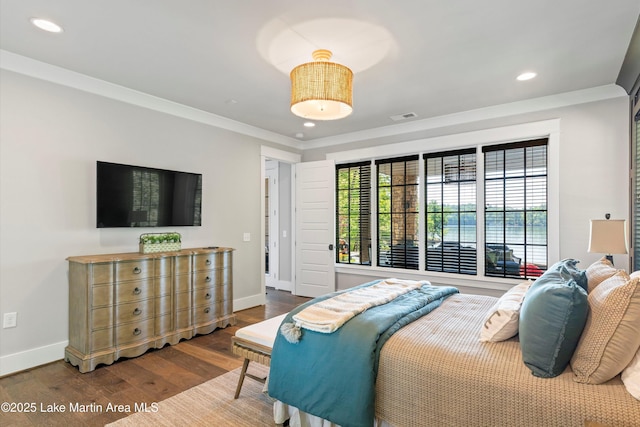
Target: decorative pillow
column 631, row 376
column 502, row 319
column 552, row 318
column 612, row 334
column 562, row 272
column 598, row 272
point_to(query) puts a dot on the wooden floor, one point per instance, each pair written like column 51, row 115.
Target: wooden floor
column 38, row 395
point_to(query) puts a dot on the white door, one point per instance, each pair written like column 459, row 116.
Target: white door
column 315, row 256
column 271, row 224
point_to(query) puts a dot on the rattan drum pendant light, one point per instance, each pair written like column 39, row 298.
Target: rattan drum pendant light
column 321, row 90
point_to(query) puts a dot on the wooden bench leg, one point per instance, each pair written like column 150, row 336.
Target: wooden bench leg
column 243, row 372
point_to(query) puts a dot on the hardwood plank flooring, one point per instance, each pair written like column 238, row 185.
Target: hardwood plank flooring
column 152, row 377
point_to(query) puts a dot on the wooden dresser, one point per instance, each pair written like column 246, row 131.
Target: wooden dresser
column 121, row 305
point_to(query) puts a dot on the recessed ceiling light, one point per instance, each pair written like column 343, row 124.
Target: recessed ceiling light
column 46, row 25
column 526, row 76
column 309, row 124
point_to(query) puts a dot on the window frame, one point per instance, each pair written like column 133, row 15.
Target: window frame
column 528, row 272
column 401, row 255
column 472, row 139
column 366, row 209
column 441, row 255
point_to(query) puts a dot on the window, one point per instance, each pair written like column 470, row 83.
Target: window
column 441, row 228
column 353, row 191
column 398, row 207
column 515, row 226
column 450, row 197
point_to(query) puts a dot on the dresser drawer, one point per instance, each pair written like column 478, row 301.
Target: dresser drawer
column 101, row 273
column 163, row 305
column 183, row 319
column 204, row 296
column 101, row 295
column 204, row 314
column 134, row 311
column 134, row 270
column 101, row 318
column 163, row 267
column 131, row 332
column 101, row 339
column 134, row 291
column 182, row 283
column 162, row 285
column 209, row 261
column 163, row 325
column 183, row 300
column 204, row 279
column 182, row 265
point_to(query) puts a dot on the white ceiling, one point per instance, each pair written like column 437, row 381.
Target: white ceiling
column 428, row 57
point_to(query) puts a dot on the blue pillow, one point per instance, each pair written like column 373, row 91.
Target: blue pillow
column 553, row 315
column 562, row 272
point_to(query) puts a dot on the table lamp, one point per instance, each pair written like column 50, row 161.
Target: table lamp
column 608, row 236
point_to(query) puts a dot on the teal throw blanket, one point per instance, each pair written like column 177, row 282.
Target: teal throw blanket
column 333, row 375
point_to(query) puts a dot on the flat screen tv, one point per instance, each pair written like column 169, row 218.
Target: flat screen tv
column 137, row 196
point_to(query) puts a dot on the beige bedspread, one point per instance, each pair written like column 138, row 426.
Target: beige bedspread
column 435, row 372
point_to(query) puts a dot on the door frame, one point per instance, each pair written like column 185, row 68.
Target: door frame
column 270, row 153
column 271, row 177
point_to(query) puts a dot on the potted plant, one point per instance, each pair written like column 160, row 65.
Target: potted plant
column 159, row 242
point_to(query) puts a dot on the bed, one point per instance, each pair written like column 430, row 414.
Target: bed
column 435, row 371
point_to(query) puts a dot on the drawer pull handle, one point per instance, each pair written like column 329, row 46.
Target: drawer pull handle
column 137, row 270
column 137, row 312
column 207, row 279
column 137, row 291
column 207, row 296
column 206, row 310
column 137, row 331
column 208, row 262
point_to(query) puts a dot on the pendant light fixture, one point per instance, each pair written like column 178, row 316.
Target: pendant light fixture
column 321, row 90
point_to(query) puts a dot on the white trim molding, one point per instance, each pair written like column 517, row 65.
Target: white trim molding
column 12, row 363
column 41, row 70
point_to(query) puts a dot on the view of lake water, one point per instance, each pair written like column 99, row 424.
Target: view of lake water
column 536, row 249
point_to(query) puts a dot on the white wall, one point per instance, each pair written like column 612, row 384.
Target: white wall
column 51, row 137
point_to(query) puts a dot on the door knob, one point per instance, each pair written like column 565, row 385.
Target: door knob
column 330, row 246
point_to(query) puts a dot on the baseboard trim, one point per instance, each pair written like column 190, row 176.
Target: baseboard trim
column 12, row 363
column 23, row 360
column 248, row 302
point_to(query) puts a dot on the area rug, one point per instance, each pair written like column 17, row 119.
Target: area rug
column 211, row 404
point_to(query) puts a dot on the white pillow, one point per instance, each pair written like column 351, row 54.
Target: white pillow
column 631, row 376
column 502, row 319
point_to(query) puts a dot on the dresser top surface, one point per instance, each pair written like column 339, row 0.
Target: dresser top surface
column 131, row 256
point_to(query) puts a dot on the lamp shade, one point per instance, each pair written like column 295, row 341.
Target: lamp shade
column 608, row 236
column 321, row 90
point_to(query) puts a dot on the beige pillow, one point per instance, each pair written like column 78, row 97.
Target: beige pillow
column 598, row 272
column 501, row 322
column 611, row 336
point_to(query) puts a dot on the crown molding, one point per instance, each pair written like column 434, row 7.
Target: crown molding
column 41, row 70
column 37, row 69
column 598, row 93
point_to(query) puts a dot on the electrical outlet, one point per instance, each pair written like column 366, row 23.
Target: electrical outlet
column 246, row 237
column 10, row 320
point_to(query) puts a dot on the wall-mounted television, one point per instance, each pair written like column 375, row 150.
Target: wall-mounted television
column 138, row 196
